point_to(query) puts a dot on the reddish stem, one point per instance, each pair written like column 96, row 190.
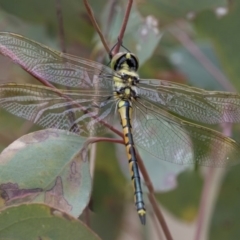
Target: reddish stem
column 152, row 199
column 94, row 22
column 123, row 28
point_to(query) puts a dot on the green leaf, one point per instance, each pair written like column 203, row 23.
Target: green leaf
column 38, row 221
column 224, row 33
column 196, row 73
column 48, row 166
column 183, row 202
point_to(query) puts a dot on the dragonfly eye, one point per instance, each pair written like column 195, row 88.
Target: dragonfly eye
column 124, row 60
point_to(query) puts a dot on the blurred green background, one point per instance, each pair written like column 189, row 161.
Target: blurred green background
column 187, row 41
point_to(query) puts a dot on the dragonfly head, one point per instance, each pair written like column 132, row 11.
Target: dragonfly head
column 124, row 60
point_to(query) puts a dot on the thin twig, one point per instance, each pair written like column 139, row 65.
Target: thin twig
column 94, row 22
column 111, row 14
column 60, row 25
column 86, row 213
column 152, row 199
column 93, row 140
column 159, row 216
column 102, row 139
column 155, row 226
column 186, row 41
column 6, row 138
column 26, row 127
column 123, row 28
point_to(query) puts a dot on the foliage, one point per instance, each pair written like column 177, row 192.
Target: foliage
column 160, row 33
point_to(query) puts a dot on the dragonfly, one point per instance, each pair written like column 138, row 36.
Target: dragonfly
column 155, row 115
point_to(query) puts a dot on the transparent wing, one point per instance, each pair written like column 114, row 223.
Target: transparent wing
column 91, row 109
column 87, row 112
column 171, row 139
column 191, row 103
column 196, row 104
column 53, row 66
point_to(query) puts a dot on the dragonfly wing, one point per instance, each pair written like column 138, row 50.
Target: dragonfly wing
column 172, row 139
column 81, row 112
column 53, row 66
column 195, row 104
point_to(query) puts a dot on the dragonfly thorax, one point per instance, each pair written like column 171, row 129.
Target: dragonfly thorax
column 126, row 93
column 128, row 78
column 125, row 84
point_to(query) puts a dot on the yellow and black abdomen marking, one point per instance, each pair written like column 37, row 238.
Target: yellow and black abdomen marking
column 125, row 111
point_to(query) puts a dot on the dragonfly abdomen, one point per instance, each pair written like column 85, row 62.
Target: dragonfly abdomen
column 125, row 111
